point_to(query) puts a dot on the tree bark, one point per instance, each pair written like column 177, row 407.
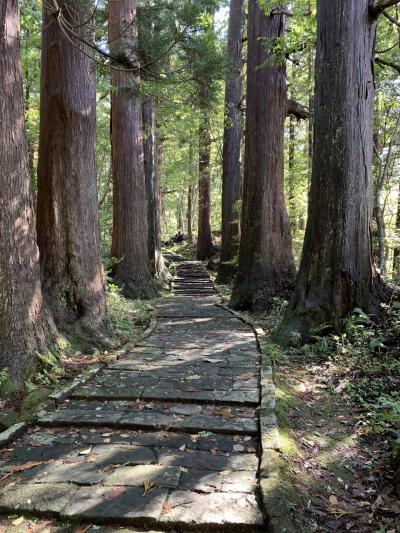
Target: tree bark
column 291, row 180
column 67, row 211
column 396, row 251
column 205, row 245
column 152, row 180
column 337, row 272
column 231, row 148
column 266, row 263
column 130, row 229
column 189, row 212
column 22, row 332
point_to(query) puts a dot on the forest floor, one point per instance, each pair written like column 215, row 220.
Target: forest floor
column 338, row 407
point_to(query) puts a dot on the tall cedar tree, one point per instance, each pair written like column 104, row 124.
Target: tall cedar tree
column 21, row 325
column 265, row 258
column 130, row 229
column 232, row 141
column 67, row 208
column 205, row 245
column 337, row 272
column 153, row 186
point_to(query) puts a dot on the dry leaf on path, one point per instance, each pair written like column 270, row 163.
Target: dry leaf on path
column 148, row 485
column 28, row 466
column 86, row 451
column 114, row 493
column 82, row 529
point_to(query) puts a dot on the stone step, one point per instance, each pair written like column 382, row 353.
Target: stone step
column 81, row 414
column 159, row 507
column 143, row 479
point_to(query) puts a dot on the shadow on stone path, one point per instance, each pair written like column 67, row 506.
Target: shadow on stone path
column 166, row 437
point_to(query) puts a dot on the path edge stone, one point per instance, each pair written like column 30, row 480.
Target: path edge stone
column 274, row 499
column 61, row 394
column 12, row 432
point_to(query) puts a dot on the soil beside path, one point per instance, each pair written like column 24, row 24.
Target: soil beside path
column 165, row 438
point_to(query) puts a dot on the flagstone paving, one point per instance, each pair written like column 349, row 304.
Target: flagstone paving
column 165, row 437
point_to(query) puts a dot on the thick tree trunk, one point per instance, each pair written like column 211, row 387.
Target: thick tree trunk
column 337, row 272
column 67, row 212
column 205, row 245
column 130, row 230
column 21, row 325
column 232, row 141
column 266, row 262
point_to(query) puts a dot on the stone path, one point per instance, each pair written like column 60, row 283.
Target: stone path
column 167, row 437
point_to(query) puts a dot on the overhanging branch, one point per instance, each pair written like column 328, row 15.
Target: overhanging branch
column 297, row 110
column 383, row 63
column 392, row 19
column 377, row 6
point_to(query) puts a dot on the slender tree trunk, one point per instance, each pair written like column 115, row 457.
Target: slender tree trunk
column 266, row 263
column 31, row 150
column 232, row 142
column 396, row 251
column 380, row 227
column 67, row 211
column 189, row 212
column 130, row 230
column 204, row 238
column 292, row 191
column 337, row 272
column 21, row 318
column 152, row 178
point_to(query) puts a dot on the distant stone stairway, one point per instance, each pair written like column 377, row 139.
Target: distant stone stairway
column 166, row 437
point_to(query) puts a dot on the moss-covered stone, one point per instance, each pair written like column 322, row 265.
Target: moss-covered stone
column 32, row 401
column 8, row 417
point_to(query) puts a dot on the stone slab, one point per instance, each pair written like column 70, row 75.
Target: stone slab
column 212, row 510
column 123, row 504
column 49, row 498
column 136, row 476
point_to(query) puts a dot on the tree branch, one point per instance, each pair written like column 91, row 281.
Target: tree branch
column 377, row 6
column 390, row 64
column 392, row 19
column 297, row 110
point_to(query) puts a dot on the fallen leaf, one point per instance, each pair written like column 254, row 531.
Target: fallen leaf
column 225, row 472
column 27, row 466
column 148, row 485
column 182, row 448
column 223, row 412
column 82, row 529
column 114, row 493
column 107, row 468
column 190, row 389
column 333, row 500
column 18, row 521
column 86, row 451
column 167, row 508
